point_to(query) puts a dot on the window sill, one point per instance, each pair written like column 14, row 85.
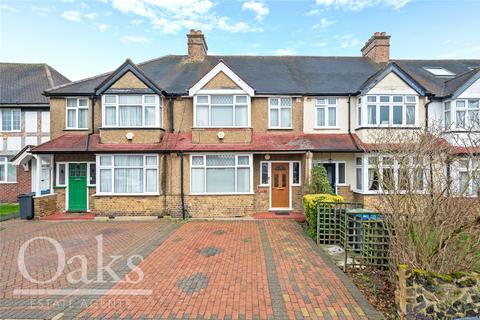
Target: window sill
column 223, row 128
column 263, row 185
column 73, row 129
column 132, row 128
column 8, row 182
column 286, row 128
column 60, row 187
column 387, row 127
column 222, row 194
column 326, row 128
column 91, row 186
column 11, row 131
column 127, row 194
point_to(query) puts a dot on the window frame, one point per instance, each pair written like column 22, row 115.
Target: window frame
column 336, row 163
column 11, row 119
column 279, row 107
column 472, row 170
column 112, row 167
column 290, row 162
column 66, row 163
column 377, row 104
column 454, row 109
column 195, row 98
column 4, row 162
column 77, row 108
column 158, row 105
column 236, row 166
column 326, row 107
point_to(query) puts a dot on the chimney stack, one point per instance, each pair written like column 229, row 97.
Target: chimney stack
column 377, row 48
column 197, row 47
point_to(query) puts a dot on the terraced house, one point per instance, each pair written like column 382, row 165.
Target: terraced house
column 234, row 135
column 24, row 122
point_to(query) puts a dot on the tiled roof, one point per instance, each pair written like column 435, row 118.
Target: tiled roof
column 174, row 142
column 22, row 83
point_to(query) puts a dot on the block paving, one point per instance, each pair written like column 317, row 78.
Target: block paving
column 264, row 269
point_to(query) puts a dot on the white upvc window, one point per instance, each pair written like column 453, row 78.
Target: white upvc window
column 359, row 112
column 132, row 111
column 77, row 113
column 10, row 120
column 134, row 174
column 220, row 111
column 325, row 112
column 462, row 114
column 61, row 175
column 383, row 174
column 280, row 113
column 265, row 169
column 221, row 174
column 340, row 170
column 468, row 173
column 391, row 110
column 8, row 172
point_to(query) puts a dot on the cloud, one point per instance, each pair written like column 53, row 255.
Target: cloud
column 136, row 21
column 103, row 27
column 357, row 5
column 324, row 22
column 133, row 39
column 172, row 16
column 285, row 52
column 41, row 11
column 320, row 44
column 476, row 48
column 5, row 7
column 72, row 15
column 91, row 15
column 350, row 43
column 260, row 9
column 313, row 12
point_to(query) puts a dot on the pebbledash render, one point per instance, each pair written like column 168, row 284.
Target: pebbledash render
column 210, row 135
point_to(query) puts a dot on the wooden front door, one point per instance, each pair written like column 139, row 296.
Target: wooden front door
column 280, row 180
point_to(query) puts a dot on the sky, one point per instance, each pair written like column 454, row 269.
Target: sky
column 85, row 38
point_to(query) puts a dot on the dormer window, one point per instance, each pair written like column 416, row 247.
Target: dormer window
column 132, row 111
column 391, row 110
column 439, row 72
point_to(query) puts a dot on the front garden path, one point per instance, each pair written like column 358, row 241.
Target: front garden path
column 265, row 269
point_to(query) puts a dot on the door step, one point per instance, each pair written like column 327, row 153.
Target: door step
column 69, row 216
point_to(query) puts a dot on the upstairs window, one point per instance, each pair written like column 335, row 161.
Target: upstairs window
column 280, row 113
column 439, row 72
column 77, row 113
column 395, row 111
column 132, row 111
column 326, row 112
column 10, row 119
column 462, row 114
column 222, row 111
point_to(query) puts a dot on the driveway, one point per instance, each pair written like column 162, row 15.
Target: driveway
column 263, row 269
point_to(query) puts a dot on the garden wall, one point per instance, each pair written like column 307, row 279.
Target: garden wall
column 423, row 295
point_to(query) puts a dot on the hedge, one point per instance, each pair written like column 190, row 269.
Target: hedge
column 310, row 202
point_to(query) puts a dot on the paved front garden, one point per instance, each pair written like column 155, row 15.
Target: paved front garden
column 197, row 270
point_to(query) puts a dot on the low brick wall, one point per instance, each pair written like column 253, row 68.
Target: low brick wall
column 45, row 205
column 423, row 295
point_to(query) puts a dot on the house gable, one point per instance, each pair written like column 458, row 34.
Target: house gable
column 470, row 89
column 221, row 81
column 128, row 81
column 128, row 76
column 219, row 78
column 392, row 80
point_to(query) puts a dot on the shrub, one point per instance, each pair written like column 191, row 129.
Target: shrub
column 310, row 202
column 319, row 183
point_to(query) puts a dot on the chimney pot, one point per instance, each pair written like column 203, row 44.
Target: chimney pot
column 377, row 48
column 197, row 46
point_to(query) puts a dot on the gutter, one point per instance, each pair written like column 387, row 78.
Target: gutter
column 430, row 100
column 182, row 195
column 92, row 121
column 349, row 114
column 170, row 111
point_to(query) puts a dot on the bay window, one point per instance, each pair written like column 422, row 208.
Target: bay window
column 132, row 111
column 378, row 174
column 221, row 174
column 77, row 113
column 127, row 174
column 222, row 110
column 280, row 113
column 10, row 119
column 326, row 112
column 468, row 172
column 395, row 110
column 8, row 172
column 462, row 114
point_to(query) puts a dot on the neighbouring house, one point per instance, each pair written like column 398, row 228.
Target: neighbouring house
column 234, row 135
column 24, row 121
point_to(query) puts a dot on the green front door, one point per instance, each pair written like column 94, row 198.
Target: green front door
column 77, row 187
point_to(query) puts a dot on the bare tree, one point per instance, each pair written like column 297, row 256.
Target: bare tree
column 431, row 202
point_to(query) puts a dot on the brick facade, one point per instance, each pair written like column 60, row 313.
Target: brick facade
column 10, row 191
column 45, row 205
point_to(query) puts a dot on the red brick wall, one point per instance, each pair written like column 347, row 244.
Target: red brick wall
column 10, row 191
